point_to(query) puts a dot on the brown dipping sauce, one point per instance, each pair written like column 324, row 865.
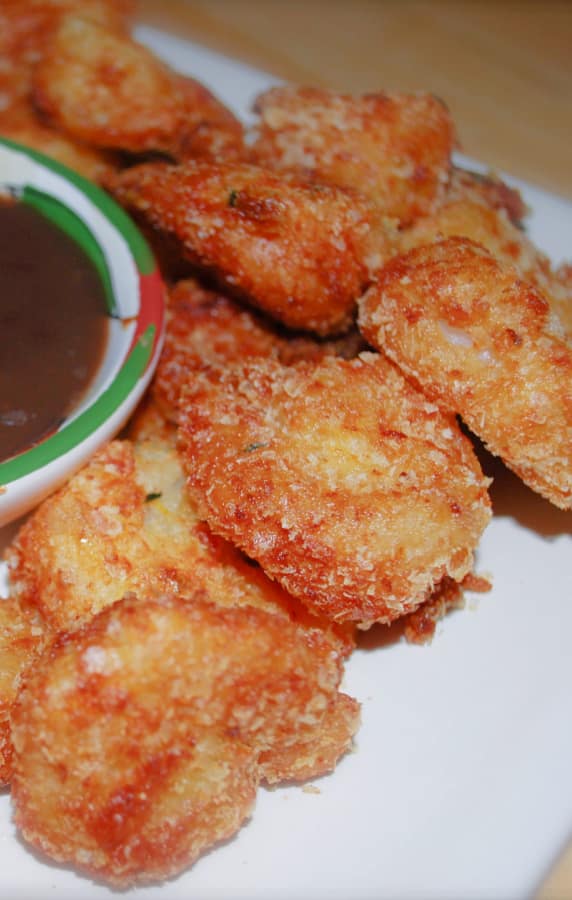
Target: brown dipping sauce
column 53, row 326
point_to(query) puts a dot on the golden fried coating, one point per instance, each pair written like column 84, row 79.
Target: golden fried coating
column 19, row 124
column 105, row 90
column 20, row 640
column 314, row 755
column 342, row 480
column 302, row 253
column 482, row 343
column 489, row 212
column 136, row 737
column 394, row 148
column 25, row 30
column 488, row 189
column 206, row 328
column 211, row 130
column 125, row 523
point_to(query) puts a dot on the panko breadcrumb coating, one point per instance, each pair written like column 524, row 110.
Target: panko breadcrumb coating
column 104, row 89
column 488, row 212
column 25, row 31
column 302, row 253
column 394, row 148
column 206, row 328
column 136, row 737
column 342, row 480
column 20, row 640
column 125, row 523
column 482, row 343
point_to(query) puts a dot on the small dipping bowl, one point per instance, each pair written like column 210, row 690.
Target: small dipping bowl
column 135, row 307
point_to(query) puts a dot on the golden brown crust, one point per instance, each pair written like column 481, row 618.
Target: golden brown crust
column 301, row 253
column 346, row 485
column 21, row 125
column 316, row 754
column 125, row 523
column 211, row 129
column 20, row 641
column 484, row 344
column 206, row 328
column 488, row 212
column 393, row 148
column 136, row 738
column 105, row 90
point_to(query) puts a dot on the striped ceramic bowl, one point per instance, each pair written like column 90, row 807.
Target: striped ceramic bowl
column 134, row 296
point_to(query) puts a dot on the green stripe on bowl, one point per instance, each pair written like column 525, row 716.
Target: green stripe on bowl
column 87, row 422
column 62, row 216
column 138, row 246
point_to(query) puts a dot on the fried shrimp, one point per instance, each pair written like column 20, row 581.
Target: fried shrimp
column 125, row 523
column 481, row 343
column 344, row 482
column 211, row 130
column 206, row 328
column 20, row 640
column 489, row 213
column 137, row 737
column 300, row 252
column 393, row 148
column 107, row 91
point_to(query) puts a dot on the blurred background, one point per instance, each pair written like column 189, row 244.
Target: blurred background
column 504, row 67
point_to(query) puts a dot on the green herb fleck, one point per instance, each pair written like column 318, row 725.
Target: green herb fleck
column 152, row 496
column 232, row 198
column 257, row 445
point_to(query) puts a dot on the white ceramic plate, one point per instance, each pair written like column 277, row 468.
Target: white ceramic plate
column 460, row 784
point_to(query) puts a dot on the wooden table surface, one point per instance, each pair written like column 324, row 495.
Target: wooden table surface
column 504, row 67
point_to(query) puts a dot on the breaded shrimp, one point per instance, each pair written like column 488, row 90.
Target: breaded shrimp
column 481, row 343
column 342, row 480
column 125, row 523
column 25, row 30
column 316, row 754
column 105, row 90
column 206, row 328
column 394, row 148
column 301, row 253
column 137, row 737
column 488, row 213
column 20, row 124
column 20, row 641
column 211, row 130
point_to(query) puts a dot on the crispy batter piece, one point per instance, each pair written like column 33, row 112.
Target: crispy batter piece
column 104, row 89
column 25, row 30
column 312, row 756
column 394, row 148
column 19, row 124
column 137, row 737
column 20, row 641
column 488, row 212
column 125, row 523
column 481, row 343
column 211, row 130
column 342, row 480
column 302, row 253
column 206, row 328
